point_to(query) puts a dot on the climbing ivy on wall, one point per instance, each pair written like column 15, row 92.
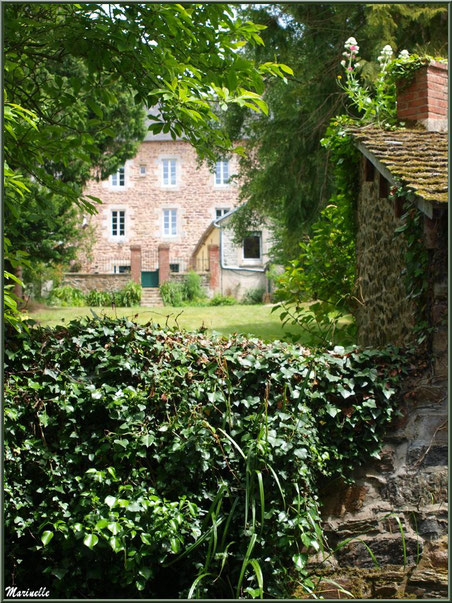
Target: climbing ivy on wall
column 140, row 461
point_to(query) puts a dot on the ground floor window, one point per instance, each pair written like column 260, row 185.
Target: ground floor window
column 252, row 248
column 221, row 211
column 121, row 269
column 174, row 267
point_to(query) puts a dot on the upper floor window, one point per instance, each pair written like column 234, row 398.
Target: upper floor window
column 142, row 170
column 118, row 223
column 252, row 248
column 169, row 172
column 170, row 222
column 222, row 172
column 119, row 177
column 221, row 211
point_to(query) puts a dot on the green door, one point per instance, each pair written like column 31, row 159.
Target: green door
column 150, row 279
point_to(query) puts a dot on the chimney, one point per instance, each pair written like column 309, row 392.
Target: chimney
column 425, row 100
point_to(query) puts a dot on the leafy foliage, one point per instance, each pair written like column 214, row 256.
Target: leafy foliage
column 286, row 176
column 142, row 460
column 325, row 269
column 127, row 297
column 253, row 296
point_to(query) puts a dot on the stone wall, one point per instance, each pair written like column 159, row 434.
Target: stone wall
column 383, row 313
column 409, row 481
column 101, row 282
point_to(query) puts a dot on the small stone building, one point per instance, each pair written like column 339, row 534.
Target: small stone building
column 242, row 267
column 409, row 482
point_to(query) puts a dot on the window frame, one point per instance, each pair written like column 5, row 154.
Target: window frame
column 171, row 211
column 259, row 259
column 223, row 211
column 170, row 161
column 117, row 218
column 115, row 179
column 219, row 171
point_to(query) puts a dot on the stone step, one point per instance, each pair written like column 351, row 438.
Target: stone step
column 151, row 297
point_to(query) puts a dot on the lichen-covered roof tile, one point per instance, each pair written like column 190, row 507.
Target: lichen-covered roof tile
column 418, row 158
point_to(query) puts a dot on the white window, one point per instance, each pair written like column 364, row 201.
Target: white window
column 119, row 269
column 170, row 222
column 221, row 211
column 169, row 172
column 252, row 248
column 118, row 223
column 142, row 170
column 222, row 173
column 119, row 177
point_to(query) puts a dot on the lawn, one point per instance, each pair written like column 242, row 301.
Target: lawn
column 258, row 320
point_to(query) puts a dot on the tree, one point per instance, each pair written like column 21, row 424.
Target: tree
column 286, row 175
column 87, row 71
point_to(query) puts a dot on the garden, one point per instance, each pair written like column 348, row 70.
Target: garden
column 181, row 451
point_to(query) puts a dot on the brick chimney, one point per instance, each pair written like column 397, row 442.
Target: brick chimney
column 425, row 100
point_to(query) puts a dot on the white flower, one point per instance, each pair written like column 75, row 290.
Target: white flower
column 343, row 63
column 351, row 41
column 387, row 51
column 404, row 54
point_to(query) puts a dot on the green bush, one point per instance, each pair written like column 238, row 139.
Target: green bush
column 193, row 290
column 129, row 296
column 222, row 300
column 66, row 296
column 99, row 298
column 172, row 293
column 143, row 462
column 253, row 296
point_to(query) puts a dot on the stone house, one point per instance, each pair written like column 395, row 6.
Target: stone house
column 410, row 479
column 155, row 220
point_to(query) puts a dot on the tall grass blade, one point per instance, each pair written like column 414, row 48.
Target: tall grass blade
column 262, row 497
column 402, row 534
column 233, row 442
column 260, row 578
column 278, row 484
column 195, row 584
column 339, row 587
column 372, row 556
column 228, row 522
column 193, row 546
column 249, row 550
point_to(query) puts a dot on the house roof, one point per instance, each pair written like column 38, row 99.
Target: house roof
column 416, row 158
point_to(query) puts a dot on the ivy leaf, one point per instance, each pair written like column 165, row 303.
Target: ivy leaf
column 46, row 537
column 90, row 540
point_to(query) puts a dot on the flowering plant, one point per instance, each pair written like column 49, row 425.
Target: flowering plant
column 377, row 105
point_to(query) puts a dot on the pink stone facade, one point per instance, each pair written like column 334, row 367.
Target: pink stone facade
column 155, row 213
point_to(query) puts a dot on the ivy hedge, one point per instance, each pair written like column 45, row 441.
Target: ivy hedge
column 145, row 462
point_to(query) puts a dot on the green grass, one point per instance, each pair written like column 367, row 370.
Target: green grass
column 256, row 320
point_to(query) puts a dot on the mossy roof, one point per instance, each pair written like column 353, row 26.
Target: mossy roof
column 416, row 158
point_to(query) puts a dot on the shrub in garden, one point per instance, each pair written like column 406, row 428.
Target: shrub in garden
column 172, row 293
column 192, row 287
column 253, row 296
column 222, row 300
column 141, row 461
column 66, row 296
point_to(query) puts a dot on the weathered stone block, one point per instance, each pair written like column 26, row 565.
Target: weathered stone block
column 387, row 550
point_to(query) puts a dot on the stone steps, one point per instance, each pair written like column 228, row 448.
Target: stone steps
column 151, row 297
